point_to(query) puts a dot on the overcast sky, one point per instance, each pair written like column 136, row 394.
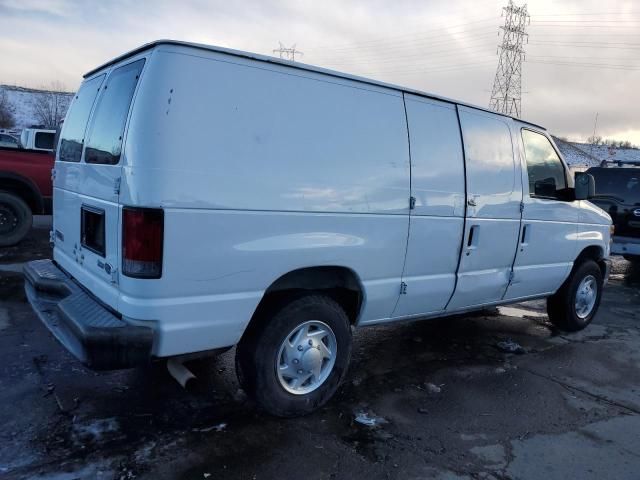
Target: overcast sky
column 583, row 56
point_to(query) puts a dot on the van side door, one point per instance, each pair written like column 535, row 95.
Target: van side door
column 437, row 214
column 548, row 237
column 494, row 194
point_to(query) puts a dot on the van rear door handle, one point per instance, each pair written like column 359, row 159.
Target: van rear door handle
column 471, row 202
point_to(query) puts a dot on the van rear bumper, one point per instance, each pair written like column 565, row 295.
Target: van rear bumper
column 93, row 334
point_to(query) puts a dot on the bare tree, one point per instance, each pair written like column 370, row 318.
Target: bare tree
column 7, row 119
column 595, row 140
column 50, row 105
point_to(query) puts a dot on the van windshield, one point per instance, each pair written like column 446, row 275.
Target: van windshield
column 105, row 138
column 74, row 126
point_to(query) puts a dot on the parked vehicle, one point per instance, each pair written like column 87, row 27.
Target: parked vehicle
column 206, row 198
column 25, row 190
column 618, row 193
column 7, row 140
column 38, row 139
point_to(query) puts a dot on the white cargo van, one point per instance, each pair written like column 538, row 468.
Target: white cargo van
column 205, row 198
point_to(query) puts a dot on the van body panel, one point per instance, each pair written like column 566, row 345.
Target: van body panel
column 494, row 193
column 437, row 219
column 292, row 130
column 231, row 257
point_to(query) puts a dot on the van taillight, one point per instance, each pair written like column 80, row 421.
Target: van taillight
column 142, row 233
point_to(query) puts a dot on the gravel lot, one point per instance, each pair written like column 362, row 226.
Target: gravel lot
column 447, row 403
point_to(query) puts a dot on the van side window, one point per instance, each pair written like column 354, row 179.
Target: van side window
column 545, row 169
column 44, row 140
column 105, row 138
column 74, row 126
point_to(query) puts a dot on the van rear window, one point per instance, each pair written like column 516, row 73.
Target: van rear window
column 74, row 126
column 104, row 144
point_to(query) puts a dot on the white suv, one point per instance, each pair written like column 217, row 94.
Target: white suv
column 205, row 198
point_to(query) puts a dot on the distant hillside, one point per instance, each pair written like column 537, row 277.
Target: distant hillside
column 586, row 155
column 24, row 100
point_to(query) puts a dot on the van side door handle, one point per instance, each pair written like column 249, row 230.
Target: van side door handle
column 472, row 238
column 524, row 236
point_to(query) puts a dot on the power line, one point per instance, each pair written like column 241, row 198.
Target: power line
column 409, row 36
column 590, row 65
column 506, row 95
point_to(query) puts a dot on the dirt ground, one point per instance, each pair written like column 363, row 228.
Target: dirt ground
column 445, row 401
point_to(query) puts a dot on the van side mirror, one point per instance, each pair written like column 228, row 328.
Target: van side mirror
column 585, row 186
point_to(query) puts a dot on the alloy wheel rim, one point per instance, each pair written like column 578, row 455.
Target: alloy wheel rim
column 306, row 357
column 586, row 296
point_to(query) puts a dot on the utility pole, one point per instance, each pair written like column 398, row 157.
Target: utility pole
column 593, row 138
column 287, row 53
column 506, row 95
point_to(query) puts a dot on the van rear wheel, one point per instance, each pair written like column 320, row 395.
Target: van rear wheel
column 15, row 219
column 292, row 361
column 573, row 306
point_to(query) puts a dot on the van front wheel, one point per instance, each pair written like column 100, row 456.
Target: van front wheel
column 573, row 306
column 292, row 361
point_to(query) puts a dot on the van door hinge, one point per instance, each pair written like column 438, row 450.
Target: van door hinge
column 511, row 275
column 521, row 207
column 53, row 174
column 116, row 186
column 412, row 203
column 403, row 288
column 113, row 272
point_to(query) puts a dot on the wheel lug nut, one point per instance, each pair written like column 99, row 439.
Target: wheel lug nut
column 300, row 371
column 300, row 348
column 295, row 360
column 310, row 342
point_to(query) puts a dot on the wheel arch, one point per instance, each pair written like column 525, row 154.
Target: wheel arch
column 340, row 283
column 24, row 188
column 591, row 252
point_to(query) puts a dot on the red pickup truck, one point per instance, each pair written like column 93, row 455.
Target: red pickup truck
column 25, row 190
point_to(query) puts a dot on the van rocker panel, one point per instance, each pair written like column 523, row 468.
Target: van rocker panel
column 95, row 336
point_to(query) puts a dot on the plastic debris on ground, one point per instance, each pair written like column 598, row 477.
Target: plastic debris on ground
column 432, row 388
column 509, row 346
column 369, row 419
column 218, row 428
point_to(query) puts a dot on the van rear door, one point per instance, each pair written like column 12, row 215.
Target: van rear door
column 87, row 181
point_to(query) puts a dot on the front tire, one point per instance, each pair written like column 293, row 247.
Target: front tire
column 292, row 361
column 573, row 307
column 15, row 219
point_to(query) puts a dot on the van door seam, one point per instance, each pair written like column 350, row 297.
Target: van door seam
column 406, row 246
column 464, row 216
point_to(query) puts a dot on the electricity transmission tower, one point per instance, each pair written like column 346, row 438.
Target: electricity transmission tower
column 287, row 53
column 506, row 95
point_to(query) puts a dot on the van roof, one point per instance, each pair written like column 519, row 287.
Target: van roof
column 298, row 65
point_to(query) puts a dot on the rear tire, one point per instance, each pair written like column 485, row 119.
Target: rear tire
column 281, row 363
column 15, row 219
column 573, row 307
